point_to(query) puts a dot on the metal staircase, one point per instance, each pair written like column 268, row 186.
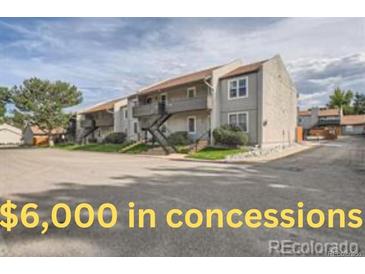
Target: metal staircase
column 86, row 132
column 153, row 125
column 153, row 115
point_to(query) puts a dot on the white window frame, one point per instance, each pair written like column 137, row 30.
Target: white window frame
column 237, row 80
column 237, row 113
column 125, row 113
column 188, row 90
column 187, row 124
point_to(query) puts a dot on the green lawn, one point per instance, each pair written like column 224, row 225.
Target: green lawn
column 92, row 147
column 182, row 149
column 139, row 148
column 213, row 153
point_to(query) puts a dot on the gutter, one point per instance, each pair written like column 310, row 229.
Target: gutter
column 207, row 83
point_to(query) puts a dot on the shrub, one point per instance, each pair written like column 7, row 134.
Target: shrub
column 179, row 138
column 92, row 140
column 115, row 138
column 230, row 136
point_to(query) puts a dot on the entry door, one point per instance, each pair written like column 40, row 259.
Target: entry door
column 163, row 98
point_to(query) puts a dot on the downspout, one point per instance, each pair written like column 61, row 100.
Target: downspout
column 210, row 89
column 207, row 83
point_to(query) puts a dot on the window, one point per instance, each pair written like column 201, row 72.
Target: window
column 126, row 114
column 191, row 92
column 237, row 88
column 149, row 100
column 239, row 119
column 192, row 124
column 135, row 127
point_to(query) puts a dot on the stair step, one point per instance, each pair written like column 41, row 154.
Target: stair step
column 130, row 146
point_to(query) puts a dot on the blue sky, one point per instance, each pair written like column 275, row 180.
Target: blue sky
column 112, row 57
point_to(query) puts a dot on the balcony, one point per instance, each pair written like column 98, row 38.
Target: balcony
column 88, row 123
column 171, row 107
column 329, row 121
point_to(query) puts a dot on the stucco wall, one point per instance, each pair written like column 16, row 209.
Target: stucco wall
column 306, row 122
column 247, row 104
column 279, row 105
column 132, row 101
column 120, row 121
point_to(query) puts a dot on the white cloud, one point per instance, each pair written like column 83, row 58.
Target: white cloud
column 111, row 57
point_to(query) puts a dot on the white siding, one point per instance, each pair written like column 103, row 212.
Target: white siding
column 10, row 135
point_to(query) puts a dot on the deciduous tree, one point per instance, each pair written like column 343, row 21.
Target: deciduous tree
column 42, row 103
column 4, row 98
column 359, row 103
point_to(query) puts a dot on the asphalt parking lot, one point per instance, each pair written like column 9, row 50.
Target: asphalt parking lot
column 329, row 176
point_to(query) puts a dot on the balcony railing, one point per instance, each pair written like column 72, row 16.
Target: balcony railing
column 324, row 122
column 88, row 123
column 172, row 106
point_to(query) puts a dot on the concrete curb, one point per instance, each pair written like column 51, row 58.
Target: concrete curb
column 248, row 162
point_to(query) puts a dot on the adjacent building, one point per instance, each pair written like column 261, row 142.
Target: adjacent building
column 95, row 123
column 10, row 135
column 332, row 120
column 33, row 135
column 353, row 124
column 320, row 118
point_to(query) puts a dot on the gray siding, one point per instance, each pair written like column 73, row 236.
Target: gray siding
column 28, row 136
column 249, row 104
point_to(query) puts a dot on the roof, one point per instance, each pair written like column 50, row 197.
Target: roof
column 329, row 112
column 101, row 106
column 304, row 113
column 244, row 69
column 37, row 131
column 200, row 75
column 353, row 120
column 181, row 80
column 322, row 112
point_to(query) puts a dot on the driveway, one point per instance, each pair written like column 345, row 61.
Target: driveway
column 330, row 176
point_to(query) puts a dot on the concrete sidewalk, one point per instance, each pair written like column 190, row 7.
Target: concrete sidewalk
column 241, row 158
